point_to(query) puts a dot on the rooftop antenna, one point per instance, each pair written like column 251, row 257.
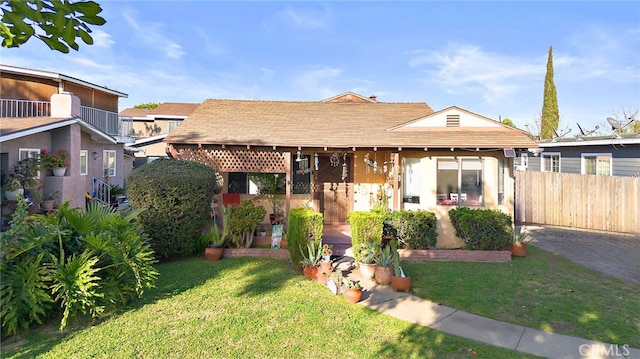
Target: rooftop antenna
column 618, row 125
column 556, row 135
column 585, row 134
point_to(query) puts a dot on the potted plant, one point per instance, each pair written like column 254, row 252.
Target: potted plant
column 272, row 187
column 13, row 189
column 115, row 191
column 399, row 281
column 384, row 266
column 326, row 264
column 243, row 220
column 353, row 290
column 49, row 201
column 519, row 246
column 57, row 162
column 365, row 254
column 216, row 240
column 311, row 260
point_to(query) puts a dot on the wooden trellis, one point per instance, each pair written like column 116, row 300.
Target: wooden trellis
column 226, row 160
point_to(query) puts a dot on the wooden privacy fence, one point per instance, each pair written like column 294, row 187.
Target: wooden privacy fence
column 583, row 201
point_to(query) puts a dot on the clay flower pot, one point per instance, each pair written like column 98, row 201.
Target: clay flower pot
column 400, row 284
column 310, row 271
column 383, row 275
column 213, row 253
column 352, row 295
column 322, row 277
column 518, row 249
column 367, row 271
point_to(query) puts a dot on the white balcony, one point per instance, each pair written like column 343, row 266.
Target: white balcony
column 120, row 127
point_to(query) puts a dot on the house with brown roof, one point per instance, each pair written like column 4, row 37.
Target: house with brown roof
column 150, row 127
column 345, row 153
column 45, row 110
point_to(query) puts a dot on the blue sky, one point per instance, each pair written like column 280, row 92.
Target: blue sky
column 486, row 57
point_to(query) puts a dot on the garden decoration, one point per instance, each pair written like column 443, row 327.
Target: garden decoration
column 519, row 246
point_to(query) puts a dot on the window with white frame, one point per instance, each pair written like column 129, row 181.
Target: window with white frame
column 173, row 125
column 25, row 153
column 84, row 162
column 109, row 163
column 596, row 164
column 550, row 162
column 460, row 181
column 411, row 172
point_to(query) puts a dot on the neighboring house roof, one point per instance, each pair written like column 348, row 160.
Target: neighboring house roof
column 178, row 110
column 629, row 139
column 12, row 128
column 58, row 77
column 173, row 109
column 336, row 123
column 148, row 140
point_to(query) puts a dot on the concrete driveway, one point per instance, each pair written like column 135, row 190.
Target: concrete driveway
column 616, row 254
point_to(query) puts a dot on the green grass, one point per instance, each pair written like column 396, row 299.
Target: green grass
column 543, row 291
column 245, row 308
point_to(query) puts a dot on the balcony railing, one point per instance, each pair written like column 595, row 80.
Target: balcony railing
column 24, row 108
column 109, row 122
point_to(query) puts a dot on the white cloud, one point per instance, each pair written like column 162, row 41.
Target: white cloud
column 460, row 69
column 101, row 39
column 315, row 81
column 304, row 19
column 151, row 33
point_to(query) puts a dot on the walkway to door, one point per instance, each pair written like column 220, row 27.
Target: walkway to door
column 338, row 235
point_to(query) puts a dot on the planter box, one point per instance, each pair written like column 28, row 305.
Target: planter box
column 458, row 255
column 256, row 252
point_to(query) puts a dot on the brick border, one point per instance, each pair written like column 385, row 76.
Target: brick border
column 407, row 255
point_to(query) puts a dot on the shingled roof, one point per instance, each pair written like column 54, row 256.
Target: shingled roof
column 333, row 124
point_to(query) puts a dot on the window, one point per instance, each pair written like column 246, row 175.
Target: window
column 83, row 162
column 109, row 163
column 411, row 172
column 25, row 153
column 596, row 164
column 550, row 162
column 301, row 175
column 460, row 182
column 524, row 160
column 173, row 125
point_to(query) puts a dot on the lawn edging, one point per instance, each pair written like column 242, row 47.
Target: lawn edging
column 458, row 255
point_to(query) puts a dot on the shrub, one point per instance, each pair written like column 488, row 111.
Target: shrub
column 304, row 224
column 176, row 196
column 416, row 229
column 482, row 229
column 243, row 221
column 365, row 227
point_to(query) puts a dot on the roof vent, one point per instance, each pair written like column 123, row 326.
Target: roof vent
column 453, row 120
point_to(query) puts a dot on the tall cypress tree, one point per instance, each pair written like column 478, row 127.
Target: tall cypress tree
column 550, row 114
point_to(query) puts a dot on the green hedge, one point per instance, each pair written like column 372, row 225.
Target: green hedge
column 176, row 196
column 482, row 229
column 304, row 224
column 365, row 227
column 417, row 229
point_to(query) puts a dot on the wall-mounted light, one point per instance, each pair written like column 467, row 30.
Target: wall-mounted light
column 94, row 154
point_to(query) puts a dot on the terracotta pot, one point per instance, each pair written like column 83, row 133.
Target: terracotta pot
column 383, row 275
column 352, row 295
column 310, row 271
column 213, row 253
column 322, row 277
column 13, row 195
column 518, row 249
column 367, row 271
column 326, row 267
column 47, row 205
column 400, row 284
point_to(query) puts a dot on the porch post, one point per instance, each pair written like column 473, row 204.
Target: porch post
column 287, row 164
column 396, row 183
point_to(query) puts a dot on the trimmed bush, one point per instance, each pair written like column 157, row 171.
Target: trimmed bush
column 304, row 224
column 365, row 227
column 482, row 229
column 176, row 196
column 416, row 229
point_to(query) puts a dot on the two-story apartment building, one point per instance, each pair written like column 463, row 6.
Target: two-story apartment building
column 150, row 127
column 46, row 110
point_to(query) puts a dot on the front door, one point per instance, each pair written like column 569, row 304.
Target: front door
column 332, row 192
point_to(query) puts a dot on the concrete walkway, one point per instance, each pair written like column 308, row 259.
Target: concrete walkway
column 615, row 254
column 505, row 335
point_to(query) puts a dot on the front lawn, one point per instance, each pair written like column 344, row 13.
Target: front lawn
column 245, row 308
column 543, row 291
